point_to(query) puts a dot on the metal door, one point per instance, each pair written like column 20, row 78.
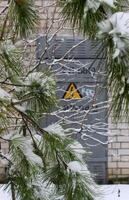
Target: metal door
column 82, row 67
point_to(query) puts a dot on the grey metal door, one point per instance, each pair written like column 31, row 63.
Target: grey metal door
column 81, row 70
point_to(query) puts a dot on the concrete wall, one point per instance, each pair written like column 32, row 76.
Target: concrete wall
column 118, row 150
column 51, row 20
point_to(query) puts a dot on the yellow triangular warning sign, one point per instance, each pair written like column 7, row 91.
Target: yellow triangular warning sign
column 72, row 92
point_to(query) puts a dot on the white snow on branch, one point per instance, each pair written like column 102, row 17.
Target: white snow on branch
column 109, row 2
column 38, row 77
column 95, row 4
column 45, row 190
column 21, row 108
column 34, row 77
column 55, row 129
column 24, row 144
column 78, row 167
column 92, row 4
column 4, row 193
column 4, row 95
column 78, row 149
column 117, row 26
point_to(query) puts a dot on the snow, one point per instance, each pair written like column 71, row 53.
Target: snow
column 38, row 138
column 4, row 195
column 4, row 94
column 39, row 78
column 9, row 46
column 122, row 90
column 26, row 147
column 77, row 166
column 21, row 108
column 109, row 2
column 108, row 192
column 94, row 5
column 44, row 190
column 120, row 22
column 34, row 77
column 114, row 192
column 77, row 148
column 55, row 129
column 117, row 26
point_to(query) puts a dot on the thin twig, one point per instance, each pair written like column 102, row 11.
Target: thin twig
column 4, row 9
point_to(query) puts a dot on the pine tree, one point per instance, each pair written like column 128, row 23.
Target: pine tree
column 43, row 163
column 106, row 21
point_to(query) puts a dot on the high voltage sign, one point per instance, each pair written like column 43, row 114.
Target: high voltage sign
column 72, row 92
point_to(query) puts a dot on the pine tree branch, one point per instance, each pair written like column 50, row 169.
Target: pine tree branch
column 13, row 191
column 4, row 27
column 4, row 157
column 29, row 119
column 38, row 151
